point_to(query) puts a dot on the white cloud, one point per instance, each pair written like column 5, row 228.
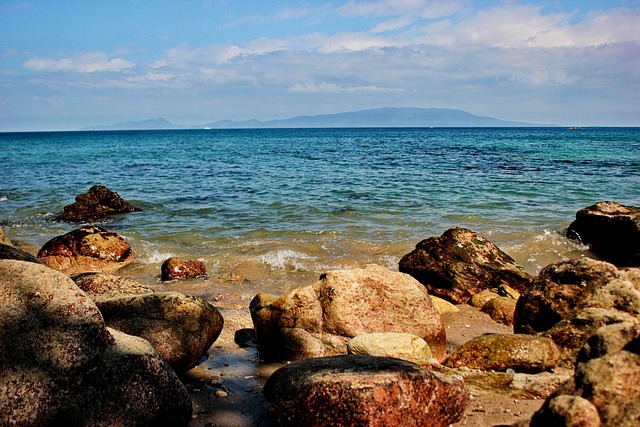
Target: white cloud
column 324, row 87
column 84, row 63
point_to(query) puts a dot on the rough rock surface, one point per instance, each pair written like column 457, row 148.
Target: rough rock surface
column 96, row 204
column 86, row 249
column 557, row 290
column 363, row 391
column 319, row 320
column 4, row 239
column 391, row 344
column 521, row 353
column 568, row 411
column 180, row 327
column 176, row 268
column 61, row 365
column 501, row 309
column 461, row 263
column 11, row 252
column 100, row 286
column 611, row 229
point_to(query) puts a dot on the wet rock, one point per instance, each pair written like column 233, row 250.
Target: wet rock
column 176, row 268
column 61, row 365
column 391, row 344
column 96, row 204
column 461, row 263
column 100, row 286
column 180, row 327
column 363, row 390
column 569, row 411
column 319, row 320
column 87, row 249
column 498, row 352
column 557, row 290
column 11, row 252
column 501, row 309
column 612, row 230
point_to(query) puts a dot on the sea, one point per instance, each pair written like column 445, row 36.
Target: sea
column 269, row 210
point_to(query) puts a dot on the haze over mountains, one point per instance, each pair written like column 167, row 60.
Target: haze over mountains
column 379, row 117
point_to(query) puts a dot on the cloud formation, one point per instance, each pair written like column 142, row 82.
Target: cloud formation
column 90, row 62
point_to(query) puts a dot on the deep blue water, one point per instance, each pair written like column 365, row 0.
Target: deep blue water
column 281, row 205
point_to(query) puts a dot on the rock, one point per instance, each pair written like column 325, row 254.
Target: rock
column 444, row 306
column 176, row 268
column 612, row 384
column 609, row 339
column 498, row 352
column 501, row 309
column 11, row 252
column 96, row 204
column 569, row 411
column 100, row 286
column 363, row 391
column 86, row 249
column 180, row 327
column 259, row 302
column 570, row 334
column 481, row 298
column 391, row 344
column 557, row 290
column 461, row 263
column 4, row 240
column 61, row 365
column 612, row 230
column 319, row 320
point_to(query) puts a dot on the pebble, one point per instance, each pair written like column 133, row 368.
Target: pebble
column 221, row 393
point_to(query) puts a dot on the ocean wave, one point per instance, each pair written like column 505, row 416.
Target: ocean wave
column 285, row 258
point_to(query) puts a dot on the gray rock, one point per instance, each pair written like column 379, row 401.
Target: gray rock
column 11, row 252
column 363, row 391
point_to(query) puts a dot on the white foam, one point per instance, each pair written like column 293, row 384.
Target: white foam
column 281, row 259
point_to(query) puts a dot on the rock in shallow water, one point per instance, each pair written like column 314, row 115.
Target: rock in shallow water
column 96, row 204
column 176, row 268
column 363, row 391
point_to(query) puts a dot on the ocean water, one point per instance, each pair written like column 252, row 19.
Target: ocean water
column 280, row 206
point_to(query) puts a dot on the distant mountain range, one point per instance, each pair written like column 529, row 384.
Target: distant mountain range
column 378, row 117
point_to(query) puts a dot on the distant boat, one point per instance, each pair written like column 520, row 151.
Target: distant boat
column 575, row 128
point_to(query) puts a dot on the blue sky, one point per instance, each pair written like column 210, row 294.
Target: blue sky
column 69, row 64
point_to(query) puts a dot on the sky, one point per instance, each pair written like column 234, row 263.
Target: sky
column 66, row 64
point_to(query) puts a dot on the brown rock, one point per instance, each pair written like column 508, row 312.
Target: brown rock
column 318, row 320
column 501, row 309
column 565, row 410
column 176, row 268
column 4, row 239
column 61, row 365
column 363, row 391
column 611, row 229
column 87, row 249
column 392, row 344
column 522, row 353
column 481, row 298
column 96, row 204
column 557, row 290
column 100, row 286
column 179, row 327
column 461, row 263
column 609, row 339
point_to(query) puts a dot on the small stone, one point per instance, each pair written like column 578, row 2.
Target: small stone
column 221, row 394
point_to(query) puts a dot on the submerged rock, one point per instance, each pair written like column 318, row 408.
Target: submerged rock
column 61, row 365
column 176, row 268
column 363, row 391
column 96, row 204
column 319, row 320
column 461, row 263
column 612, row 230
column 87, row 249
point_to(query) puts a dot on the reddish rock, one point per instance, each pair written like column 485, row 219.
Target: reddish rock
column 568, row 411
column 612, row 230
column 96, row 204
column 176, row 268
column 363, row 391
column 501, row 309
column 87, row 249
column 461, row 263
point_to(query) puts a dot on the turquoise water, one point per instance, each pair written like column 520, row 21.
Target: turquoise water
column 280, row 206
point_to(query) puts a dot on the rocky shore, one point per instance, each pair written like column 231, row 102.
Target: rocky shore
column 460, row 335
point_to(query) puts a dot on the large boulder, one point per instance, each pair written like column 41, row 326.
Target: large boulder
column 611, row 229
column 363, row 391
column 175, row 268
column 498, row 352
column 96, row 204
column 392, row 344
column 557, row 290
column 61, row 365
column 319, row 320
column 461, row 263
column 180, row 327
column 87, row 249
